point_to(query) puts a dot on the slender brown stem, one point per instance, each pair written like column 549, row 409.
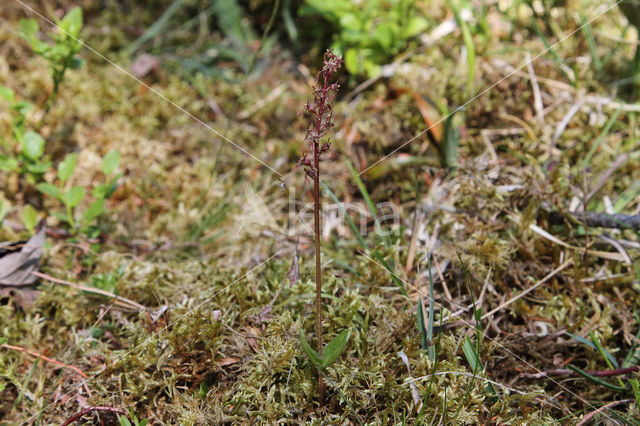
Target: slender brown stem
column 316, row 220
column 47, row 359
column 321, row 108
column 86, row 411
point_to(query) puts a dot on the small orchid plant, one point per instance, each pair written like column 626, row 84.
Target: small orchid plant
column 321, row 110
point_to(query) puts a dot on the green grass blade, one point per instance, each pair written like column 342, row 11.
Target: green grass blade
column 156, row 28
column 594, row 379
column 633, row 356
column 635, row 386
column 609, row 359
column 593, row 346
column 367, row 197
column 591, row 42
column 450, row 142
column 554, row 55
column 421, row 328
column 471, row 49
column 601, row 136
column 432, row 349
column 25, row 385
column 472, row 356
column 396, row 280
column 352, row 225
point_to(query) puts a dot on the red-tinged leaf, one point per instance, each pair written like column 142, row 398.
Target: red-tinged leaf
column 430, row 116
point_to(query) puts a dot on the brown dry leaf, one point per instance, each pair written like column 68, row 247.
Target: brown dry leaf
column 430, row 116
column 227, row 361
column 22, row 297
column 294, row 271
column 252, row 333
column 144, row 64
column 19, row 259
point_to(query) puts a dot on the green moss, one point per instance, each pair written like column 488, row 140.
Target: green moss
column 184, row 228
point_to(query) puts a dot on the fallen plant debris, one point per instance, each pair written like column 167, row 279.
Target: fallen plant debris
column 568, row 373
column 598, row 220
column 19, row 259
column 79, row 415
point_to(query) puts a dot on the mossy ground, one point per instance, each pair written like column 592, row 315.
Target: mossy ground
column 195, row 221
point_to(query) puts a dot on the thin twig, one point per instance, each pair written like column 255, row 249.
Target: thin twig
column 530, row 289
column 51, row 360
column 123, row 300
column 600, row 220
column 588, row 417
column 80, row 414
column 570, row 373
column 537, row 98
column 462, row 373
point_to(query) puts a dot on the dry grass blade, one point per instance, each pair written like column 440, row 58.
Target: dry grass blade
column 122, row 301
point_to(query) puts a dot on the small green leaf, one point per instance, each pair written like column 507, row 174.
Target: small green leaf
column 62, row 216
column 124, row 421
column 38, row 168
column 110, row 162
column 384, row 34
column 60, row 52
column 76, row 63
column 49, row 189
column 351, row 22
column 100, row 190
column 28, row 28
column 22, row 107
column 95, row 209
column 416, row 25
column 6, row 94
column 29, row 217
column 73, row 196
column 106, row 190
column 72, row 22
column 8, row 164
column 313, row 355
column 351, row 61
column 32, row 146
column 335, row 348
column 66, row 167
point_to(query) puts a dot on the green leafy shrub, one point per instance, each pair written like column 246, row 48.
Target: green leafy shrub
column 61, row 54
column 72, row 197
column 371, row 32
column 25, row 155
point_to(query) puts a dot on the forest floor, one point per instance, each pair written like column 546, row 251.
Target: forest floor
column 199, row 236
